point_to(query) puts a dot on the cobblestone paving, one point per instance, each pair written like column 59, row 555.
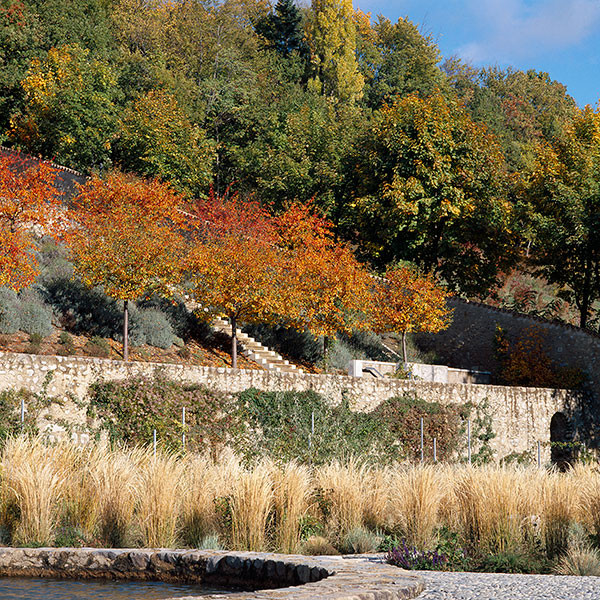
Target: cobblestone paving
column 499, row 586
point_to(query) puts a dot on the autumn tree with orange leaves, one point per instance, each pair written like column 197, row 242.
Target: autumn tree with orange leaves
column 233, row 263
column 326, row 288
column 126, row 237
column 407, row 301
column 258, row 268
column 27, row 200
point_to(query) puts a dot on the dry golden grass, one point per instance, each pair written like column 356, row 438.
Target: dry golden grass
column 291, row 492
column 116, row 497
column 114, row 481
column 35, row 484
column 251, row 502
column 343, row 495
column 159, row 497
column 415, row 495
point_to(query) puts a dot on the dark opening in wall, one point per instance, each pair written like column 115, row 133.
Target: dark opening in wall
column 561, row 440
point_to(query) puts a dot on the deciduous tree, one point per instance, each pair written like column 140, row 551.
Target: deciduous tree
column 69, row 112
column 326, row 288
column 27, row 199
column 429, row 187
column 126, row 237
column 158, row 140
column 408, row 301
column 562, row 192
column 332, row 40
column 233, row 263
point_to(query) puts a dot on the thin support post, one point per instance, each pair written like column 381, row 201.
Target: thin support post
column 154, row 442
column 183, row 428
column 422, row 441
column 22, row 411
column 312, row 429
column 539, row 455
column 434, row 450
column 469, row 441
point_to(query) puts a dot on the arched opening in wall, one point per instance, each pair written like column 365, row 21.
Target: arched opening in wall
column 561, row 438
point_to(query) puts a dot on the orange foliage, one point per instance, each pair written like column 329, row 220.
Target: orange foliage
column 233, row 263
column 126, row 236
column 407, row 301
column 325, row 289
column 254, row 267
column 27, row 199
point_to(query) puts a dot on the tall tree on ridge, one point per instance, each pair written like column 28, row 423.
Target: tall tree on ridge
column 332, row 39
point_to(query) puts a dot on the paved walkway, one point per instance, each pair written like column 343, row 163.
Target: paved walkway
column 500, row 586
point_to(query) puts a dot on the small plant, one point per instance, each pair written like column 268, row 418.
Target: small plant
column 97, row 347
column 184, row 352
column 361, row 541
column 579, row 560
column 67, row 346
column 410, row 558
column 35, row 343
column 210, row 542
column 318, row 546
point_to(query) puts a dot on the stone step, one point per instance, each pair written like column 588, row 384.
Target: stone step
column 255, row 351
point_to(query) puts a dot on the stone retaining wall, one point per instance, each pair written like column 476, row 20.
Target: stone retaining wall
column 521, row 416
column 298, row 577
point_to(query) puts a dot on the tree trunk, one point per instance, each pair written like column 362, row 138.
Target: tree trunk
column 404, row 352
column 233, row 343
column 586, row 292
column 325, row 352
column 125, row 330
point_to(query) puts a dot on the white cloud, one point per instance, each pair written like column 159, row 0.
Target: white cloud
column 516, row 29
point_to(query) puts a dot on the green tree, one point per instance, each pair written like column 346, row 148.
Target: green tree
column 408, row 63
column 282, row 28
column 562, row 192
column 70, row 109
column 158, row 140
column 331, row 36
column 19, row 37
column 428, row 186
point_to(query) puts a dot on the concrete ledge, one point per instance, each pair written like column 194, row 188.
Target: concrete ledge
column 268, row 576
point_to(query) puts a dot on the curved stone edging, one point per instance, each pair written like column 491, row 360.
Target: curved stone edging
column 287, row 576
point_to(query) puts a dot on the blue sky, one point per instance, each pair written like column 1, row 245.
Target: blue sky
column 560, row 37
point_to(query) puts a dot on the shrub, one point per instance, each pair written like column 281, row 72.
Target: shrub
column 150, row 326
column 360, row 541
column 35, row 343
column 282, row 424
column 318, row 546
column 182, row 321
column 83, row 310
column 131, row 410
column 10, row 319
column 67, row 346
column 36, row 318
column 97, row 347
column 10, row 413
column 444, row 422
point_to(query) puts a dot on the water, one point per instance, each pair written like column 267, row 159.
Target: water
column 32, row 588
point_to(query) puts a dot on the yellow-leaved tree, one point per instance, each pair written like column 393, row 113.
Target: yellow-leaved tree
column 331, row 37
column 407, row 301
column 126, row 236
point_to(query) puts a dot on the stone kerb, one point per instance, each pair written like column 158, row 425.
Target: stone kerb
column 272, row 576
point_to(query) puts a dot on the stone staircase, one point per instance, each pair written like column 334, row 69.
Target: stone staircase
column 254, row 350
